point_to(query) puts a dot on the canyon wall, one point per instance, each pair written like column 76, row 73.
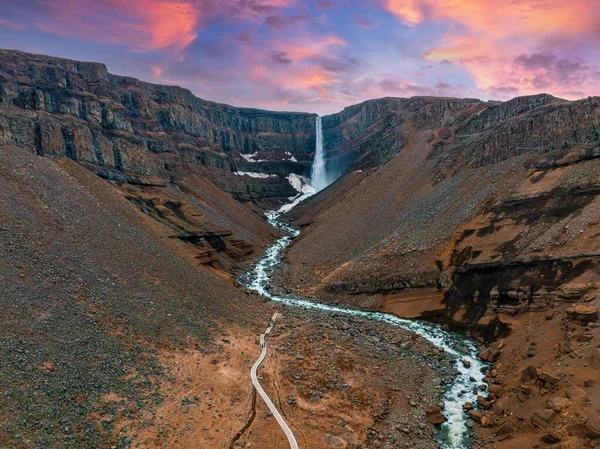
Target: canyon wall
column 457, row 195
column 462, row 132
column 59, row 107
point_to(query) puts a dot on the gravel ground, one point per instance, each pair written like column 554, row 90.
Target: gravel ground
column 88, row 297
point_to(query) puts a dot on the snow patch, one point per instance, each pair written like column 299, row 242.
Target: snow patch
column 253, row 174
column 291, row 157
column 250, row 157
column 305, row 190
column 301, row 184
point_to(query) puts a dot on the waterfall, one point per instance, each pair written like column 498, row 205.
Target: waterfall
column 319, row 178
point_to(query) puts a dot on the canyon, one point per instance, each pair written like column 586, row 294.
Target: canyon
column 129, row 211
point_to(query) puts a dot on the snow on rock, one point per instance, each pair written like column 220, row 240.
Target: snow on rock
column 253, row 174
column 291, row 157
column 250, row 157
column 301, row 184
column 305, row 190
column 297, row 200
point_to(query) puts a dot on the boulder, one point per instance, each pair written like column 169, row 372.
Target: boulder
column 506, row 428
column 486, row 421
column 574, row 393
column 584, row 313
column 571, row 292
column 592, row 427
column 557, row 404
column 475, row 416
column 552, row 436
column 435, row 416
column 541, row 418
column 485, row 355
column 530, row 373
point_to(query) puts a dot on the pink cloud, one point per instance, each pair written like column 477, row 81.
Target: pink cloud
column 147, row 25
column 492, row 39
column 140, row 25
column 308, row 46
column 12, row 25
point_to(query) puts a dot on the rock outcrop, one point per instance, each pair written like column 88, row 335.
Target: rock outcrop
column 463, row 132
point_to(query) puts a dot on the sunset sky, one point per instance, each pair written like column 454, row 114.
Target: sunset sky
column 322, row 55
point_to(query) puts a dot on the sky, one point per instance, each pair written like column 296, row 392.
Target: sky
column 322, row 55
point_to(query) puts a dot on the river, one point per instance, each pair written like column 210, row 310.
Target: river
column 454, row 433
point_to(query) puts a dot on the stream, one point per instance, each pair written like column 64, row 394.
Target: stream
column 454, row 433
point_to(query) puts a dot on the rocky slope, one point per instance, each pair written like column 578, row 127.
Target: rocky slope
column 450, row 164
column 485, row 217
column 79, row 110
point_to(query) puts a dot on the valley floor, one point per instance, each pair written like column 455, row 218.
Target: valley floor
column 114, row 336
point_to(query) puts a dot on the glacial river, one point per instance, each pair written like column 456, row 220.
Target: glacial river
column 454, row 433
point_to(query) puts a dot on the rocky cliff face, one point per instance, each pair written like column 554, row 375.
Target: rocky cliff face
column 522, row 170
column 462, row 132
column 59, row 107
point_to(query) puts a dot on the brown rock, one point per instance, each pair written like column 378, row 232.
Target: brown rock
column 548, row 377
column 468, row 406
column 552, row 436
column 529, row 373
column 486, row 421
column 541, row 418
column 506, row 428
column 596, row 358
column 592, row 426
column 435, row 416
column 475, row 416
column 574, row 393
column 485, row 355
column 557, row 404
column 495, row 389
column 498, row 409
column 586, row 336
column 572, row 292
column 589, row 297
column 583, row 313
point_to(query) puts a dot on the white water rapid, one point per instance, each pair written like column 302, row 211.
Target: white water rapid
column 454, row 433
column 318, row 176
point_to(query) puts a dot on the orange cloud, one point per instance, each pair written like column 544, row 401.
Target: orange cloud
column 167, row 24
column 488, row 36
column 310, row 47
column 499, row 17
column 140, row 24
column 157, row 71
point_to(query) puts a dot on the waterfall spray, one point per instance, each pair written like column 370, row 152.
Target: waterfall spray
column 319, row 178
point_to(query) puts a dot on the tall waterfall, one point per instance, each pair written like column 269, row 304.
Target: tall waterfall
column 319, row 178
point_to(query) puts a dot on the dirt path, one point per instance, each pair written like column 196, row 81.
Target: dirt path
column 276, row 414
